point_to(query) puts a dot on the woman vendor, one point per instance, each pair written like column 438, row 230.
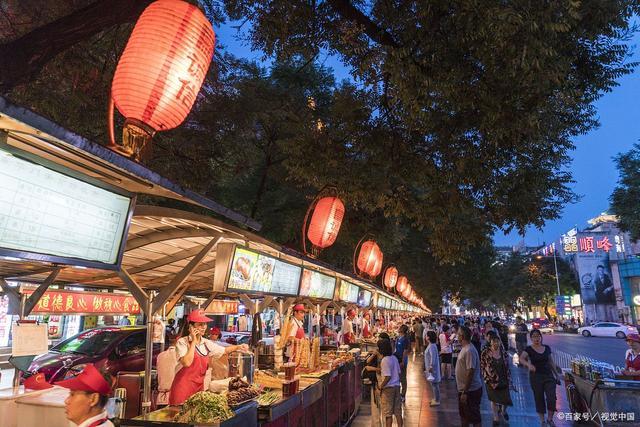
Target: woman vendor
column 195, row 355
column 366, row 325
column 632, row 357
column 296, row 329
column 348, row 336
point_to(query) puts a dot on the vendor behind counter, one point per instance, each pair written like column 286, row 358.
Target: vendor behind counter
column 632, row 357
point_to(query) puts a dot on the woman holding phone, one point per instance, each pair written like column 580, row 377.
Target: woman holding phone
column 195, row 355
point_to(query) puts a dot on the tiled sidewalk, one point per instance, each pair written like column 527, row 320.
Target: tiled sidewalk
column 418, row 413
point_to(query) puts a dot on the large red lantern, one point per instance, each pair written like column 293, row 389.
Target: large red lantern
column 370, row 258
column 325, row 222
column 390, row 277
column 402, row 284
column 407, row 292
column 162, row 67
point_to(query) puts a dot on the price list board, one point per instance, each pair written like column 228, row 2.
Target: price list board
column 45, row 212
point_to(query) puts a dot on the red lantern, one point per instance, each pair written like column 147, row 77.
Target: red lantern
column 370, row 258
column 407, row 291
column 390, row 277
column 402, row 284
column 163, row 65
column 325, row 222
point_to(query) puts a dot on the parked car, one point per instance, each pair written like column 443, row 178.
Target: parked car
column 542, row 324
column 112, row 349
column 607, row 329
column 235, row 338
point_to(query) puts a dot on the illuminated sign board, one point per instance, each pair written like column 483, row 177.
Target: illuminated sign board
column 364, row 298
column 317, row 285
column 348, row 292
column 68, row 302
column 381, row 301
column 254, row 272
column 220, row 307
column 636, row 300
column 51, row 216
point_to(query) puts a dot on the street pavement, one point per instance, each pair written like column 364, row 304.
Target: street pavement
column 609, row 350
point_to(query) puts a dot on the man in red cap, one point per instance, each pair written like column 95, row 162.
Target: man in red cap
column 632, row 357
column 88, row 395
column 195, row 354
column 348, row 337
column 366, row 325
column 297, row 328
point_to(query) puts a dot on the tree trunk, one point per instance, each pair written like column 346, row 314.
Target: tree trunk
column 21, row 60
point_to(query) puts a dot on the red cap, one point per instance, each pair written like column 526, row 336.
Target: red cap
column 197, row 316
column 90, row 380
column 633, row 337
column 215, row 331
column 299, row 307
column 37, row 382
column 351, row 312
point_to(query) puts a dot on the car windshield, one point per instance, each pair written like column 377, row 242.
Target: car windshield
column 90, row 343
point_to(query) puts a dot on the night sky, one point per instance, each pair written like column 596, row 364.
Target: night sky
column 593, row 168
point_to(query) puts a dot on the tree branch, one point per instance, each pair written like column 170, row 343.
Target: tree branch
column 22, row 59
column 349, row 12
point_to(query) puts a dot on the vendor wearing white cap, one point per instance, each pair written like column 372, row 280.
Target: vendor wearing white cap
column 194, row 358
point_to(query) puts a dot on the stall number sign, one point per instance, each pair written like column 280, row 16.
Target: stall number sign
column 65, row 302
column 46, row 212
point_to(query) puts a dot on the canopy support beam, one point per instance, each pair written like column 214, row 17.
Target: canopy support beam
column 37, row 294
column 168, row 291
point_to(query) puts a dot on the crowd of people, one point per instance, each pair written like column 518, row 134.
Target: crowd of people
column 472, row 352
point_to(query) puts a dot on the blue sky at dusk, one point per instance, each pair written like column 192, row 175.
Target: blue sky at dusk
column 593, row 169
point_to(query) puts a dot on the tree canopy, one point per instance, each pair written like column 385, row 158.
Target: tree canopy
column 626, row 196
column 457, row 120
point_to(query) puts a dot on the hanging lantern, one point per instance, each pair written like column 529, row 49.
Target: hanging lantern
column 161, row 70
column 390, row 277
column 407, row 292
column 369, row 259
column 402, row 284
column 325, row 222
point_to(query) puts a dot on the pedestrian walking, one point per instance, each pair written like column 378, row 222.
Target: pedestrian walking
column 521, row 337
column 445, row 351
column 497, row 377
column 543, row 376
column 455, row 345
column 372, row 371
column 389, row 384
column 418, row 329
column 432, row 367
column 468, row 381
column 403, row 346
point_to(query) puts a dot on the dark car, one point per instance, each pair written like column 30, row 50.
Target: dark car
column 112, row 349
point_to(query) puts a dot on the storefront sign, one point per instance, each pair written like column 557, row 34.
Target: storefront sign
column 67, row 302
column 348, row 292
column 317, row 285
column 221, row 307
column 254, row 272
column 563, row 304
column 364, row 298
column 47, row 213
column 576, row 300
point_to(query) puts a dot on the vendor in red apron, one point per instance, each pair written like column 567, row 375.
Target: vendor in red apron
column 296, row 330
column 348, row 336
column 632, row 357
column 88, row 395
column 366, row 325
column 195, row 354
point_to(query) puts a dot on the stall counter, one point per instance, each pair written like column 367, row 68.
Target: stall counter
column 246, row 416
column 8, row 405
column 49, row 406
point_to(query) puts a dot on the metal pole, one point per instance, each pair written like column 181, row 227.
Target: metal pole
column 555, row 264
column 148, row 359
column 16, row 371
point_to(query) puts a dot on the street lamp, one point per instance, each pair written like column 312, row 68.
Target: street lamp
column 555, row 266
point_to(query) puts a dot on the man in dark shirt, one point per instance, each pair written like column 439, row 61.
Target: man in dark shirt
column 521, row 336
column 403, row 346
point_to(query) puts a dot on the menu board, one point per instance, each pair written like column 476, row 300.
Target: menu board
column 254, row 272
column 381, row 301
column 317, row 285
column 387, row 303
column 46, row 212
column 348, row 292
column 364, row 298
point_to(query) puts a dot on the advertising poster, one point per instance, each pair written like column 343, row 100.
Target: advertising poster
column 594, row 273
column 251, row 271
column 364, row 298
column 349, row 292
column 317, row 285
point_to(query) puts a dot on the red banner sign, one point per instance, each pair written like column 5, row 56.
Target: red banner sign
column 220, row 306
column 67, row 302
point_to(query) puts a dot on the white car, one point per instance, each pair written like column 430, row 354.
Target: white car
column 607, row 329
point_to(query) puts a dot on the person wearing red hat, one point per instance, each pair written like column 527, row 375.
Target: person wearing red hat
column 214, row 334
column 88, row 395
column 195, row 354
column 297, row 328
column 632, row 357
column 366, row 325
column 348, row 337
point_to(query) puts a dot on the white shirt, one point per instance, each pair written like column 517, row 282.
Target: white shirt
column 206, row 348
column 445, row 345
column 102, row 415
column 347, row 326
column 295, row 325
column 167, row 365
column 389, row 367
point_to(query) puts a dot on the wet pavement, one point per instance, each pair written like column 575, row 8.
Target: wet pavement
column 418, row 413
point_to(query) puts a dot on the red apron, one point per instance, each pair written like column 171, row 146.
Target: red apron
column 189, row 380
column 635, row 364
column 365, row 331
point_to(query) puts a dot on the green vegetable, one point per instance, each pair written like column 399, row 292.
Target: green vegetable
column 269, row 398
column 205, row 407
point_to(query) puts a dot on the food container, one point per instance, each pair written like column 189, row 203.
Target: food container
column 289, row 370
column 241, row 365
column 290, row 387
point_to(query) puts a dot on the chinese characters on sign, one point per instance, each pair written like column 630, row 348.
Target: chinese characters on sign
column 588, row 244
column 66, row 302
column 570, row 243
column 222, row 307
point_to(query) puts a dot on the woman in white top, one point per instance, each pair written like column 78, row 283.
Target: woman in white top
column 445, row 351
column 432, row 366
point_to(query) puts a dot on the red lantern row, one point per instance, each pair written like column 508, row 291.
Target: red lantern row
column 370, row 258
column 325, row 222
column 390, row 277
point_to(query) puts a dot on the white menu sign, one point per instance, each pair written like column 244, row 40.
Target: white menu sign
column 46, row 212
